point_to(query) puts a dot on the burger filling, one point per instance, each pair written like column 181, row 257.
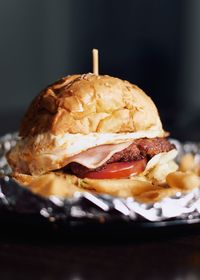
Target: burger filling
column 130, row 161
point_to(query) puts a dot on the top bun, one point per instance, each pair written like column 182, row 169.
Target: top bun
column 90, row 103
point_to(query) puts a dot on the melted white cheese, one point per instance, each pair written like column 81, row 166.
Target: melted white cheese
column 76, row 143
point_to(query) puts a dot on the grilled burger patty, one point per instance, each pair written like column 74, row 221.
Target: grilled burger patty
column 140, row 148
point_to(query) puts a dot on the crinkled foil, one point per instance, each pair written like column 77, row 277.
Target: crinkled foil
column 101, row 208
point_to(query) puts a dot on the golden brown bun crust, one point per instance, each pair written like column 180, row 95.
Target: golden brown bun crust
column 89, row 103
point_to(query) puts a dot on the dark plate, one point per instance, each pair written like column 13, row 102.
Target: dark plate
column 88, row 215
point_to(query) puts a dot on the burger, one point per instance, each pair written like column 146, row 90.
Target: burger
column 93, row 129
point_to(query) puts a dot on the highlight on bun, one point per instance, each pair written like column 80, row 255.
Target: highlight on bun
column 89, row 103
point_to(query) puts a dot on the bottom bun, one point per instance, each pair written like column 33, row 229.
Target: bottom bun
column 143, row 188
column 65, row 185
column 57, row 184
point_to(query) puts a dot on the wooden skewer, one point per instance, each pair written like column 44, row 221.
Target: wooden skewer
column 95, row 60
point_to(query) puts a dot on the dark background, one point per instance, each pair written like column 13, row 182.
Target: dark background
column 154, row 44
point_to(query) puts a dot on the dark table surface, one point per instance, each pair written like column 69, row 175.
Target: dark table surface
column 171, row 254
column 170, row 257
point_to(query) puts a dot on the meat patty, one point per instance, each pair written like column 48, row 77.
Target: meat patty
column 140, row 148
column 152, row 147
column 131, row 153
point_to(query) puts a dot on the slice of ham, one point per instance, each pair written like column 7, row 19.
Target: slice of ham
column 97, row 156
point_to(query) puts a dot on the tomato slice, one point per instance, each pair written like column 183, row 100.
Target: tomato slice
column 118, row 170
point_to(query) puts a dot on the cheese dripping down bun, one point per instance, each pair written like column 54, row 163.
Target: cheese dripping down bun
column 78, row 113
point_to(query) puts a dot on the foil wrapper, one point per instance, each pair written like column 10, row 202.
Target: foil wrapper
column 99, row 208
